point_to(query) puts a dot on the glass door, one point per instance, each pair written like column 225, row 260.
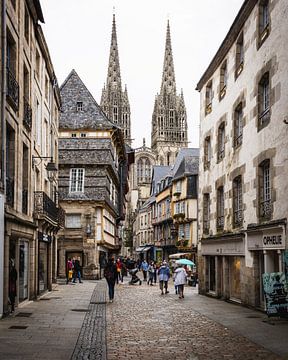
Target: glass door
column 23, row 270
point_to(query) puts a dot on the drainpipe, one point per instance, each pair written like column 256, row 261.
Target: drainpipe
column 3, row 162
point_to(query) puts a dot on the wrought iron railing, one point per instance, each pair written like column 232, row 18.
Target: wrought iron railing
column 27, row 115
column 266, row 209
column 220, row 222
column 238, row 217
column 12, row 89
column 10, row 191
column 61, row 217
column 43, row 205
column 25, row 201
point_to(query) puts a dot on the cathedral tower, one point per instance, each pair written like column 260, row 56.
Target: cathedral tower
column 114, row 101
column 169, row 119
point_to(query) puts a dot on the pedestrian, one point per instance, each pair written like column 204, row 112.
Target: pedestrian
column 77, row 270
column 69, row 270
column 151, row 270
column 110, row 274
column 180, row 280
column 155, row 272
column 144, row 268
column 164, row 275
column 12, row 284
column 119, row 268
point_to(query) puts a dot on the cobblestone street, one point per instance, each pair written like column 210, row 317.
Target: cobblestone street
column 78, row 323
column 143, row 324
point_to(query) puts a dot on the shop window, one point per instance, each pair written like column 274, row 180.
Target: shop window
column 208, row 98
column 237, row 202
column 207, row 152
column 223, row 80
column 264, row 21
column 221, row 142
column 239, row 61
column 220, row 208
column 265, row 203
column 76, row 180
column 238, row 126
column 206, row 213
column 263, row 102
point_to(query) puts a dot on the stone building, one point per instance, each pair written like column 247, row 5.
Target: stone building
column 29, row 124
column 92, row 180
column 243, row 158
column 169, row 119
column 114, row 101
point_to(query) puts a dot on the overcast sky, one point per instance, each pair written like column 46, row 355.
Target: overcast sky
column 78, row 33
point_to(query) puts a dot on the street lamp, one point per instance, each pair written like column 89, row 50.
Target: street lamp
column 50, row 167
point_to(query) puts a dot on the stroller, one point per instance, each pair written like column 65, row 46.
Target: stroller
column 135, row 279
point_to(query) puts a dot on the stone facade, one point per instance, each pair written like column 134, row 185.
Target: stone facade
column 92, row 184
column 31, row 107
column 243, row 157
column 169, row 119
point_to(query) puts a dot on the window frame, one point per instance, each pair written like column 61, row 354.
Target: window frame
column 237, row 202
column 223, row 80
column 220, row 208
column 264, row 101
column 221, row 142
column 239, row 57
column 79, row 180
column 238, row 126
column 265, row 190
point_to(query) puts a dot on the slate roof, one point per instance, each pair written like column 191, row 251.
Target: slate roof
column 73, row 90
column 183, row 153
column 159, row 172
column 188, row 166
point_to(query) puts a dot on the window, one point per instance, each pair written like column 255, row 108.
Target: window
column 221, row 142
column 37, row 64
column 12, row 84
column 73, row 135
column 76, row 180
column 206, row 213
column 263, row 101
column 187, row 231
column 73, row 221
column 115, row 114
column 265, row 190
column 238, row 126
column 38, row 123
column 237, row 202
column 207, row 152
column 208, row 98
column 239, row 55
column 140, row 170
column 25, row 177
column 46, row 88
column 79, row 106
column 192, row 187
column 223, row 80
column 178, row 187
column 264, row 19
column 220, row 208
column 82, row 135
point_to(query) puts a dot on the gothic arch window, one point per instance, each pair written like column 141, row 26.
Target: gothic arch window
column 147, row 173
column 139, row 170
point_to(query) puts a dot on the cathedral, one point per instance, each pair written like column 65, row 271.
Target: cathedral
column 169, row 120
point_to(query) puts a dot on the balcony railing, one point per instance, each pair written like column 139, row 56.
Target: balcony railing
column 25, row 201
column 220, row 222
column 266, row 209
column 238, row 217
column 43, row 205
column 12, row 90
column 61, row 217
column 27, row 115
column 10, row 191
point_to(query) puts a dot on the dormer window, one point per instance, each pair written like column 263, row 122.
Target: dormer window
column 79, row 106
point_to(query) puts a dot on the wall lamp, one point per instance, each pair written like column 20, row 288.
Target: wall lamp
column 50, row 167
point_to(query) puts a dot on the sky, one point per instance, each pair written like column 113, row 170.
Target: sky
column 78, row 34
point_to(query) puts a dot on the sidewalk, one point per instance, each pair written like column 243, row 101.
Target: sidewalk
column 47, row 328
column 271, row 333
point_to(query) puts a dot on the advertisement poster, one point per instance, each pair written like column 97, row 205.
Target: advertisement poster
column 276, row 293
column 286, row 264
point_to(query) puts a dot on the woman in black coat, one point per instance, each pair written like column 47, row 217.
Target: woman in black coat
column 110, row 274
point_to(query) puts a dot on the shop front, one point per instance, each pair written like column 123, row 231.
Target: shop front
column 44, row 243
column 224, row 259
column 267, row 245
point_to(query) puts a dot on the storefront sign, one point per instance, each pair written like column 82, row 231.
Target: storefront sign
column 272, row 239
column 276, row 293
column 44, row 237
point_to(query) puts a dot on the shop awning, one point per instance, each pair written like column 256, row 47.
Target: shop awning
column 178, row 255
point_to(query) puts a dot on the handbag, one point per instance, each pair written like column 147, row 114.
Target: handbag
column 70, row 274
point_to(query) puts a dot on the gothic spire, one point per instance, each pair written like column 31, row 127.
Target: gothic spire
column 113, row 76
column 168, row 76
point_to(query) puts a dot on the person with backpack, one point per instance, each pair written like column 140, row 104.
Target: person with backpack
column 110, row 274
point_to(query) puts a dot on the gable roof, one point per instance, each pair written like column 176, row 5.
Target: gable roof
column 158, row 173
column 183, row 153
column 188, row 166
column 73, row 90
